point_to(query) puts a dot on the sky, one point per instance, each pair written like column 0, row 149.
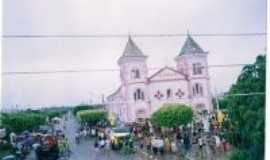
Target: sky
column 80, row 17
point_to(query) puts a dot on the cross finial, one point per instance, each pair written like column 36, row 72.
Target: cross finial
column 188, row 33
column 129, row 34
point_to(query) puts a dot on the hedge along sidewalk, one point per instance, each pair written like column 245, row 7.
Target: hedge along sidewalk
column 92, row 116
column 26, row 120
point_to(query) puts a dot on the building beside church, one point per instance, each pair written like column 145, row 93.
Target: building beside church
column 141, row 94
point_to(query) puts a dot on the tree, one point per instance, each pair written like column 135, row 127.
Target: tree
column 29, row 119
column 18, row 122
column 172, row 115
column 92, row 116
column 246, row 113
column 85, row 107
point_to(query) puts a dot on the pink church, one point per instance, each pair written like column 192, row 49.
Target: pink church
column 141, row 94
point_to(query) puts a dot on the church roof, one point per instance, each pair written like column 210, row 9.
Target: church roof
column 131, row 49
column 164, row 69
column 115, row 92
column 191, row 47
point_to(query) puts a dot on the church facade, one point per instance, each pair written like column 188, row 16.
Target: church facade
column 141, row 94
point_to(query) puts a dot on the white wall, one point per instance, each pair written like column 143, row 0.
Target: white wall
column 162, row 87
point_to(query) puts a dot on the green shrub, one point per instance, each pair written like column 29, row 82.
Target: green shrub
column 6, row 146
column 172, row 115
column 80, row 108
column 29, row 119
column 92, row 116
column 51, row 115
column 18, row 122
column 240, row 155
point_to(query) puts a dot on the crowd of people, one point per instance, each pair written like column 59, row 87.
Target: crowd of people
column 99, row 133
column 196, row 136
column 87, row 131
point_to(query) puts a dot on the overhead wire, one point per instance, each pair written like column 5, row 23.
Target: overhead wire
column 102, row 70
column 27, row 36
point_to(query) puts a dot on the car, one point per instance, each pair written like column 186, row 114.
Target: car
column 120, row 132
column 118, row 136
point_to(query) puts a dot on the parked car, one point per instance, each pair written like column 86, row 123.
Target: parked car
column 119, row 136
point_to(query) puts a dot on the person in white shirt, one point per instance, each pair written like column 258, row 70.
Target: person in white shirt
column 217, row 140
column 12, row 138
column 174, row 146
column 77, row 138
column 200, row 142
column 107, row 147
column 93, row 132
column 102, row 135
column 102, row 143
column 84, row 133
column 161, row 145
column 154, row 144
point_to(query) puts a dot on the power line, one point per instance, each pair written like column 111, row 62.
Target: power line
column 103, row 70
column 225, row 94
column 25, row 36
column 244, row 94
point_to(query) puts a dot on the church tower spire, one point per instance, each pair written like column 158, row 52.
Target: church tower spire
column 191, row 47
column 132, row 58
column 131, row 49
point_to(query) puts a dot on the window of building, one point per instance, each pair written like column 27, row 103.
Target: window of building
column 197, row 68
column 169, row 93
column 197, row 90
column 142, row 96
column 135, row 96
column 158, row 95
column 135, row 73
column 138, row 95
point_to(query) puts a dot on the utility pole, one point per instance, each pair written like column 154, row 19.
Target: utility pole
column 102, row 99
column 216, row 99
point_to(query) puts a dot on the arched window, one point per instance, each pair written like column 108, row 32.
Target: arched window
column 138, row 95
column 197, row 68
column 135, row 96
column 142, row 96
column 197, row 89
column 135, row 73
column 169, row 93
